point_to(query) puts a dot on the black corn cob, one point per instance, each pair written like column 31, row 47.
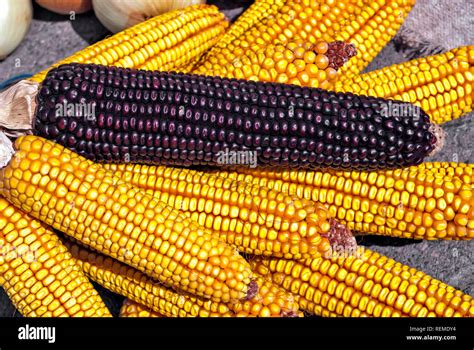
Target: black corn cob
column 177, row 119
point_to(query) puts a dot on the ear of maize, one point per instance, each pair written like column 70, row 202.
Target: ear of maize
column 90, row 204
column 368, row 284
column 39, row 274
column 164, row 42
column 174, row 119
column 297, row 62
column 280, row 48
column 441, row 84
column 139, row 288
column 255, row 219
column 369, row 25
column 132, row 309
column 303, row 20
column 429, row 201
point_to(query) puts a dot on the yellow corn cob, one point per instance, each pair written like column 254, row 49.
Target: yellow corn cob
column 297, row 21
column 138, row 287
column 253, row 218
column 92, row 205
column 297, row 62
column 370, row 27
column 300, row 19
column 132, row 309
column 161, row 43
column 429, row 201
column 39, row 274
column 368, row 284
column 258, row 11
column 441, row 84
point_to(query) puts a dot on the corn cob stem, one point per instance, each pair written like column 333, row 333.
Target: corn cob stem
column 255, row 219
column 39, row 274
column 90, row 204
column 138, row 287
column 160, row 43
column 368, row 284
column 441, row 84
column 430, row 201
column 132, row 309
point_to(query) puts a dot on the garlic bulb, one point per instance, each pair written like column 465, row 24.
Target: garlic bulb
column 15, row 19
column 65, row 7
column 117, row 15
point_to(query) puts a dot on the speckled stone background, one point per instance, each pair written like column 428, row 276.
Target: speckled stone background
column 52, row 37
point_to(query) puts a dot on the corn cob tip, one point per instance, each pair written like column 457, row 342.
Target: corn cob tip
column 252, row 290
column 440, row 135
column 340, row 237
column 339, row 53
column 17, row 108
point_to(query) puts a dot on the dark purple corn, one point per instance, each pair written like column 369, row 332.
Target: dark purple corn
column 111, row 114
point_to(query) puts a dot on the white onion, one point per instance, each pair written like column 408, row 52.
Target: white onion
column 15, row 19
column 117, row 15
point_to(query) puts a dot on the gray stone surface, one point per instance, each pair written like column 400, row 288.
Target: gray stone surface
column 53, row 37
